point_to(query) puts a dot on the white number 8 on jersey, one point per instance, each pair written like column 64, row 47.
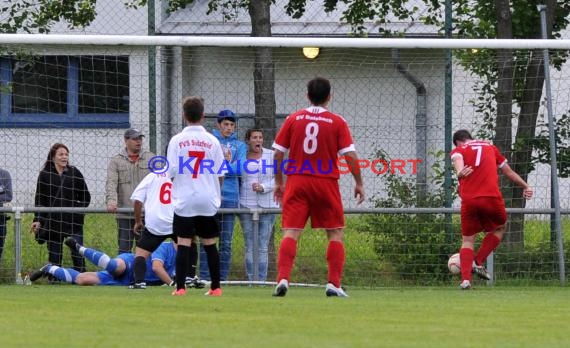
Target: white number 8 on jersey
column 310, row 141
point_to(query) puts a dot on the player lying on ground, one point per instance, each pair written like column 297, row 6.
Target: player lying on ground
column 118, row 270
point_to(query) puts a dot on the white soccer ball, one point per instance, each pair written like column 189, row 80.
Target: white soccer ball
column 454, row 264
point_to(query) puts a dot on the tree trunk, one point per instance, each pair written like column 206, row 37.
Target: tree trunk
column 264, row 71
column 264, row 91
column 522, row 153
column 504, row 95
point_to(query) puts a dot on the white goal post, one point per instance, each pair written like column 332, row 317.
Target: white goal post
column 231, row 41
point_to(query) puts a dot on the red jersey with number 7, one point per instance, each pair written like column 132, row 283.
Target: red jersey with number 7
column 484, row 158
column 314, row 138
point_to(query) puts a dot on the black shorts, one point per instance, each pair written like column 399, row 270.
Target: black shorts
column 201, row 226
column 150, row 242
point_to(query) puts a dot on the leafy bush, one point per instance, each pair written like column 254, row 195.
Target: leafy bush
column 532, row 264
column 415, row 246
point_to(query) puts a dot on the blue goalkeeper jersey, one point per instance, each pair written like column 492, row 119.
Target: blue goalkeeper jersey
column 167, row 255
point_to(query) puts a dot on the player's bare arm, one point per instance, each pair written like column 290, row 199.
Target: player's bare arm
column 515, row 178
column 161, row 273
column 139, row 225
column 460, row 168
column 279, row 187
column 352, row 161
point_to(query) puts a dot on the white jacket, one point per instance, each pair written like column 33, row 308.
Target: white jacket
column 258, row 171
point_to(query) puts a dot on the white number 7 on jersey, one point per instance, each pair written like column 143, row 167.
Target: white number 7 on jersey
column 479, row 150
column 199, row 155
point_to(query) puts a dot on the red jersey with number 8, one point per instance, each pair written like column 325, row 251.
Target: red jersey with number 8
column 484, row 158
column 314, row 137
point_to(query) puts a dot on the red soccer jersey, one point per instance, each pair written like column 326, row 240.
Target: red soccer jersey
column 314, row 138
column 484, row 158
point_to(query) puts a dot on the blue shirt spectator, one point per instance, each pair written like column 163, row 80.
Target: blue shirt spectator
column 235, row 152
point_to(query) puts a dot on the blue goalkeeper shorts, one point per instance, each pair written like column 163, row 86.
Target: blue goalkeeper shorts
column 105, row 278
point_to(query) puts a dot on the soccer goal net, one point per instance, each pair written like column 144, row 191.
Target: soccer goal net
column 402, row 98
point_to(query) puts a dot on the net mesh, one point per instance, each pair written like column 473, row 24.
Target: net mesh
column 85, row 97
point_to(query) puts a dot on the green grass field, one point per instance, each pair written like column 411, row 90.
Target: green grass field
column 73, row 316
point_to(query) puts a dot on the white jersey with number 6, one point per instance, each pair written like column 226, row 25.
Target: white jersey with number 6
column 155, row 192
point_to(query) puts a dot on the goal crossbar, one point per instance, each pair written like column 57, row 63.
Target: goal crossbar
column 233, row 41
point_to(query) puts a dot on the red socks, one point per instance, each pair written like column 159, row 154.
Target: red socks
column 490, row 243
column 286, row 257
column 335, row 261
column 466, row 257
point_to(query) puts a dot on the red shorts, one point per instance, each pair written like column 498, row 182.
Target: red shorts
column 309, row 196
column 482, row 214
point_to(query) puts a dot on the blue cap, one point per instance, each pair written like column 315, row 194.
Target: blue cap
column 226, row 115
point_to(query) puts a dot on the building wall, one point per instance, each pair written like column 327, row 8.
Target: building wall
column 377, row 101
column 23, row 150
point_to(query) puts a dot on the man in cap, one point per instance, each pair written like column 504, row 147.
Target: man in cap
column 124, row 172
column 235, row 154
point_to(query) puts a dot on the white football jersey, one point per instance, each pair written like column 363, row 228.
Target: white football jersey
column 196, row 161
column 155, row 192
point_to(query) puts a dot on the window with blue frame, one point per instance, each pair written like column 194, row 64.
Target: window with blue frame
column 64, row 91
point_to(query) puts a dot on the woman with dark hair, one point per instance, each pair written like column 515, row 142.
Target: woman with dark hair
column 60, row 185
column 256, row 192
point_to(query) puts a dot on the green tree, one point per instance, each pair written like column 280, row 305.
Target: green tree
column 39, row 16
column 511, row 85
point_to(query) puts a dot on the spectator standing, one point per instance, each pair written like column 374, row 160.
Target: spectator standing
column 5, row 196
column 124, row 172
column 60, row 185
column 234, row 154
column 256, row 191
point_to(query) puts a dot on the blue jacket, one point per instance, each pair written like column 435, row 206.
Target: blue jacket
column 230, row 188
